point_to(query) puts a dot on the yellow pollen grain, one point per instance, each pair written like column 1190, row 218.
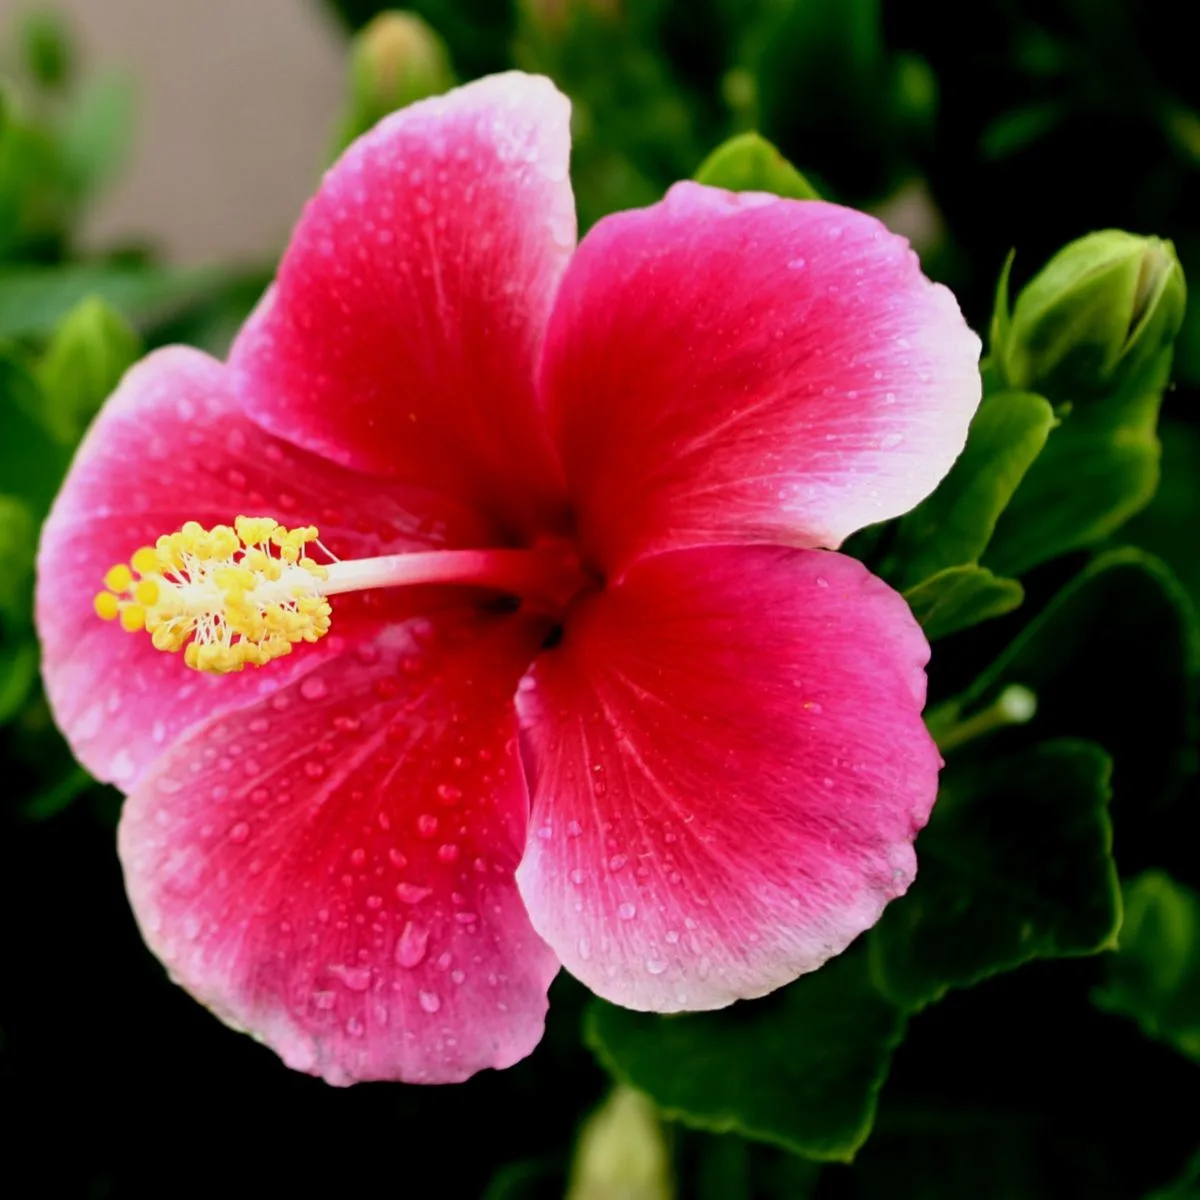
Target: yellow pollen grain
column 227, row 597
column 106, row 605
column 133, row 618
column 118, row 578
column 145, row 561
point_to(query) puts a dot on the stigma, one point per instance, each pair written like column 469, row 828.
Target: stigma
column 227, row 597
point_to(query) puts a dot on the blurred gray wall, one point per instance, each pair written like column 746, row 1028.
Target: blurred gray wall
column 236, row 101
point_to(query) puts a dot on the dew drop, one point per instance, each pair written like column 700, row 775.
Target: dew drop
column 617, row 862
column 358, row 857
column 357, row 979
column 411, row 944
column 427, row 825
column 397, row 859
column 429, row 1001
column 447, row 853
column 411, row 893
column 239, row 833
column 655, row 966
column 448, row 793
column 627, row 911
column 578, row 876
column 584, row 947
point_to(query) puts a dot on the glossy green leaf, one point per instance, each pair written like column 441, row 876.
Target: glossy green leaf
column 953, row 526
column 1098, row 468
column 1155, row 976
column 1015, row 864
column 749, row 163
column 801, row 1068
column 959, row 597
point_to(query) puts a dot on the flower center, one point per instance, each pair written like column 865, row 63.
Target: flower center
column 229, row 597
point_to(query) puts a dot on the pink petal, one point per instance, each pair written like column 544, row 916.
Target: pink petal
column 171, row 446
column 731, row 769
column 725, row 368
column 403, row 331
column 332, row 869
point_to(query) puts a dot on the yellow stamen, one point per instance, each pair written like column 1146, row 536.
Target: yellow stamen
column 118, row 578
column 107, row 606
column 226, row 596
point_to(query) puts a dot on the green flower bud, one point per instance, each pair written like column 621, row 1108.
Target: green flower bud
column 621, row 1152
column 89, row 352
column 1095, row 319
column 396, row 59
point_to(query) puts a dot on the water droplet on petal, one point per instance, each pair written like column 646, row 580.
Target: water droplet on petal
column 585, row 949
column 239, row 833
column 627, row 911
column 357, row 979
column 429, row 1001
column 411, row 944
column 655, row 966
column 412, row 893
column 448, row 853
column 448, row 793
column 427, row 825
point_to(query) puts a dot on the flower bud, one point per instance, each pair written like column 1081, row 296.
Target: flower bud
column 1095, row 319
column 396, row 59
column 89, row 352
column 621, row 1152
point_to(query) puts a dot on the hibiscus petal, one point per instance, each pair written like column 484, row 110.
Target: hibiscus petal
column 332, row 869
column 403, row 330
column 171, row 446
column 730, row 771
column 733, row 368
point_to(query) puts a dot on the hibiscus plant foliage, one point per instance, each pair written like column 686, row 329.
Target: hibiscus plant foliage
column 659, row 639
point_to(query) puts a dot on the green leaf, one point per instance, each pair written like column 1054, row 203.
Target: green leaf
column 18, row 542
column 1167, row 526
column 1015, row 864
column 960, row 597
column 801, row 1068
column 1099, row 467
column 1186, row 1187
column 953, row 526
column 32, row 462
column 1111, row 658
column 98, row 133
column 18, row 670
column 1155, row 976
column 749, row 163
column 33, row 300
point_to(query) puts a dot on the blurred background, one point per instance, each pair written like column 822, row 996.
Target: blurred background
column 153, row 155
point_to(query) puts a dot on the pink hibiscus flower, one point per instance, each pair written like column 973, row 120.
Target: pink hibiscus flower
column 588, row 691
